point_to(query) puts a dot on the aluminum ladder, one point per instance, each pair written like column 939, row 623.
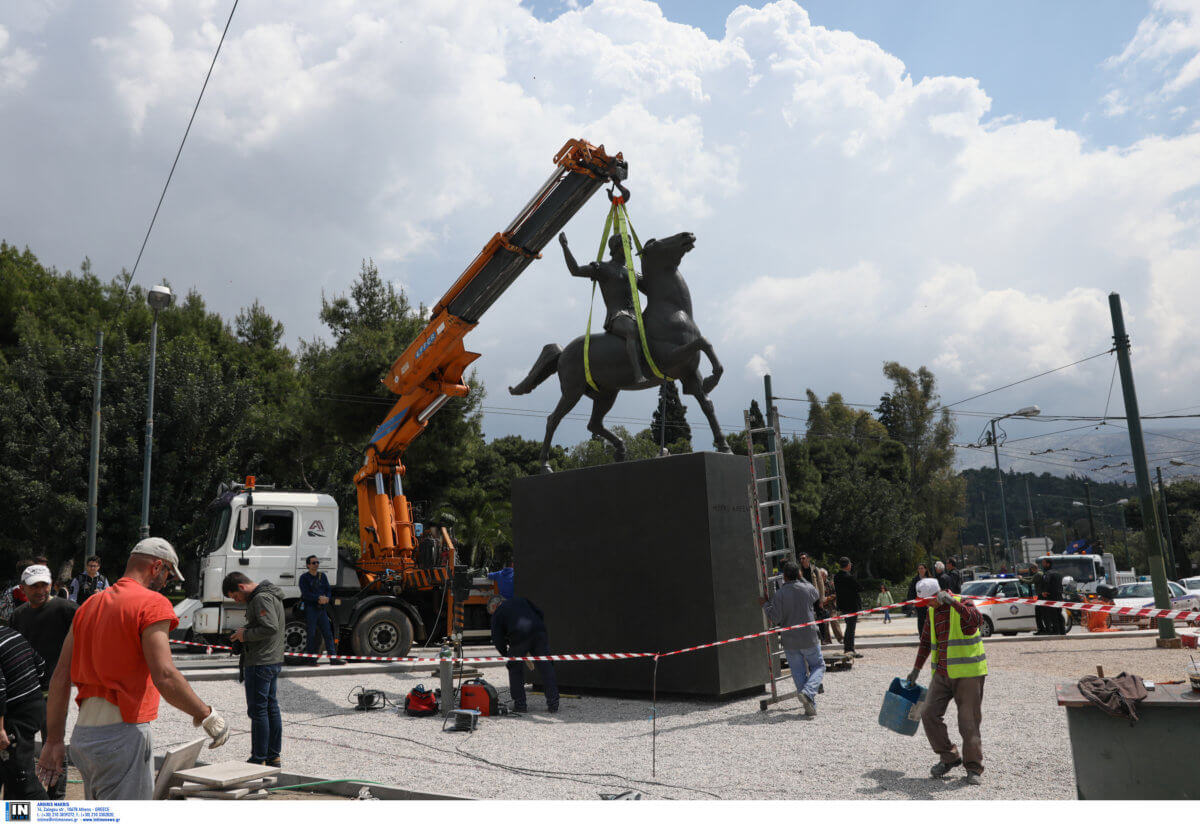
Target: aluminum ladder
column 771, row 520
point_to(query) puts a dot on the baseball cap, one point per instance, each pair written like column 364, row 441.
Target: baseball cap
column 928, row 587
column 160, row 548
column 36, row 574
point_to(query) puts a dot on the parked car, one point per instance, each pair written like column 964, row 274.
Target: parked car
column 1141, row 595
column 1004, row 618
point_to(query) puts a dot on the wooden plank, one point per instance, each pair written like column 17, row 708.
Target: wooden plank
column 179, row 758
column 256, row 784
column 227, row 774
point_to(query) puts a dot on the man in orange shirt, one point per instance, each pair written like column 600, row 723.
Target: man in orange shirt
column 118, row 656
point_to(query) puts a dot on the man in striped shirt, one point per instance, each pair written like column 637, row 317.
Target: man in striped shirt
column 959, row 668
column 22, row 712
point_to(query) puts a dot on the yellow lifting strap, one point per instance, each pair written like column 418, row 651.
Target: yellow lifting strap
column 618, row 216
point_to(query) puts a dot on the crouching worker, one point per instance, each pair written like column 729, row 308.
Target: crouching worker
column 793, row 604
column 519, row 628
column 959, row 667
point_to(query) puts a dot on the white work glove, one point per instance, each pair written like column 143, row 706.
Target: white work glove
column 216, row 728
column 944, row 597
column 913, row 676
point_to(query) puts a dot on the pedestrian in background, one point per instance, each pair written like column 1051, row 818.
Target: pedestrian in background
column 885, row 599
column 835, row 626
column 1035, row 586
column 89, row 582
column 1052, row 590
column 953, row 577
column 519, row 629
column 952, row 636
column 793, row 604
column 262, row 655
column 315, row 593
column 45, row 622
column 13, row 597
column 922, row 573
column 811, row 574
column 118, row 656
column 849, row 600
column 939, row 572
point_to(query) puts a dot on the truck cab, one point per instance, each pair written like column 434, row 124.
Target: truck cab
column 266, row 539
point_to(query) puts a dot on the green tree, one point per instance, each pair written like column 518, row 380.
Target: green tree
column 911, row 415
column 671, row 428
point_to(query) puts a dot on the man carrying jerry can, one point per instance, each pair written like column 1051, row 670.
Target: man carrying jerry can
column 959, row 667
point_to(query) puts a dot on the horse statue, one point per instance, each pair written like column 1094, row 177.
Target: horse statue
column 673, row 338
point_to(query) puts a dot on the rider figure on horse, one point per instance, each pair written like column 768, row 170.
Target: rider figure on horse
column 612, row 278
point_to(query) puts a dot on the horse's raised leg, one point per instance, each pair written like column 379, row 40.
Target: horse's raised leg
column 692, row 385
column 566, row 403
column 600, row 406
column 681, row 354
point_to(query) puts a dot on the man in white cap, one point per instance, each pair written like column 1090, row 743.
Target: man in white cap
column 45, row 622
column 959, row 669
column 118, row 656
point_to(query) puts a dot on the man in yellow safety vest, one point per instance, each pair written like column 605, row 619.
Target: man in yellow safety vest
column 959, row 667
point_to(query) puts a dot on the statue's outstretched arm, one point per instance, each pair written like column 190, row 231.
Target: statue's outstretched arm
column 572, row 266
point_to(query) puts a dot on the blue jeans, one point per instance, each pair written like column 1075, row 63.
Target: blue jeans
column 538, row 644
column 318, row 621
column 266, row 724
column 808, row 668
column 887, row 616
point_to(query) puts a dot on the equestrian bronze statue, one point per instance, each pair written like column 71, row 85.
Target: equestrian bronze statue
column 615, row 358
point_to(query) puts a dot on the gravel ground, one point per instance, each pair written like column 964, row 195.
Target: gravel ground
column 725, row 750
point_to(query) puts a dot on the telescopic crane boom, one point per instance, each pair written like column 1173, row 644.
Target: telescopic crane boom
column 430, row 372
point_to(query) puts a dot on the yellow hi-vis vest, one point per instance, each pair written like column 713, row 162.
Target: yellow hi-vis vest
column 965, row 657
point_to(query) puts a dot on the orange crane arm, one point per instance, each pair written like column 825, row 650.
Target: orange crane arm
column 430, row 371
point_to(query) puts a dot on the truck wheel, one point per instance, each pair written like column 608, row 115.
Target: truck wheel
column 295, row 640
column 384, row 631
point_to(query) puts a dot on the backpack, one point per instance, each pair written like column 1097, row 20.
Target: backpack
column 420, row 702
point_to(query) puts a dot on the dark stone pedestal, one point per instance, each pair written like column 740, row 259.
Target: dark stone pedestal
column 645, row 556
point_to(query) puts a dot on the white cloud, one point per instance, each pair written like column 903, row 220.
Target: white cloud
column 17, row 65
column 846, row 213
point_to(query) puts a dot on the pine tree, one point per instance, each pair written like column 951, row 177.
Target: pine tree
column 677, row 428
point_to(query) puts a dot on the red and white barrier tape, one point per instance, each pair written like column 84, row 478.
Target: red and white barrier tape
column 1141, row 612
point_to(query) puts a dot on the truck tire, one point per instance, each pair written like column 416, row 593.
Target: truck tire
column 385, row 632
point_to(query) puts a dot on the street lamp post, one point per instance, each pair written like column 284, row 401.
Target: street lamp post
column 1027, row 412
column 159, row 297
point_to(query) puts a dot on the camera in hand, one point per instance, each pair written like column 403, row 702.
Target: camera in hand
column 237, row 647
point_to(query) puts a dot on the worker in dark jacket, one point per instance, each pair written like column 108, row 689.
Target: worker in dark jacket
column 519, row 629
column 315, row 593
column 1034, row 580
column 849, row 599
column 262, row 656
column 1052, row 590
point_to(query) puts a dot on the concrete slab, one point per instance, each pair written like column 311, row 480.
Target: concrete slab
column 226, row 774
column 178, row 758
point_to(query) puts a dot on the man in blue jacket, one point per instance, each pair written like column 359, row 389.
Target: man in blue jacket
column 504, row 580
column 518, row 629
column 315, row 592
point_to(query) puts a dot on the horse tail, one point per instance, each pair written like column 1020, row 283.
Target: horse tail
column 545, row 366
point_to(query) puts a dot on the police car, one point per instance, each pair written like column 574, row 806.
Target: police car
column 1006, row 619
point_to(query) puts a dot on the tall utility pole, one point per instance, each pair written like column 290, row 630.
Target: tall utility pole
column 1034, row 532
column 1166, row 525
column 987, row 529
column 1000, row 480
column 1158, row 572
column 94, row 459
column 1087, row 490
column 159, row 297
